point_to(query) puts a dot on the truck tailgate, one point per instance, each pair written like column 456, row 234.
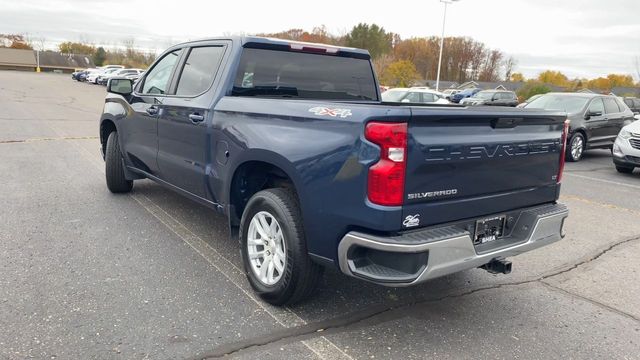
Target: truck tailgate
column 464, row 163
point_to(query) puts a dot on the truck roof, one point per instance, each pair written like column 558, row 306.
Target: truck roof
column 258, row 41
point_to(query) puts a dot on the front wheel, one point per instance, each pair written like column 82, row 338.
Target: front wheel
column 576, row 147
column 114, row 167
column 274, row 249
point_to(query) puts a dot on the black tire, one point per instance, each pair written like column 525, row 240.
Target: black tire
column 301, row 276
column 114, row 167
column 624, row 169
column 576, row 139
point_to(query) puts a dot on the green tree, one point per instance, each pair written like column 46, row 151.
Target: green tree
column 100, row 56
column 531, row 88
column 399, row 74
column 371, row 37
column 69, row 47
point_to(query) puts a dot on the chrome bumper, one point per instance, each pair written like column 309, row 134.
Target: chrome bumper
column 444, row 250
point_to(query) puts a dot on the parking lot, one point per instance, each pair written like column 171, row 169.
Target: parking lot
column 152, row 275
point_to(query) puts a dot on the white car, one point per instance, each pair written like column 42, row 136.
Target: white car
column 626, row 149
column 103, row 79
column 414, row 95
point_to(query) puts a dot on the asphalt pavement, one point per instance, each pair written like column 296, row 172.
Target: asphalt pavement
column 151, row 275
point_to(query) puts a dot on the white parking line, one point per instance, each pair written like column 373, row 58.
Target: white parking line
column 604, row 181
column 321, row 346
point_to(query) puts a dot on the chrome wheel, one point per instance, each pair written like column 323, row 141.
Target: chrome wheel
column 266, row 248
column 577, row 147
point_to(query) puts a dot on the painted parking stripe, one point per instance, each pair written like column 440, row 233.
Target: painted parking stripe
column 603, row 180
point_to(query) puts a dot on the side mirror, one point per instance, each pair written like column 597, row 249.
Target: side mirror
column 121, row 86
column 589, row 114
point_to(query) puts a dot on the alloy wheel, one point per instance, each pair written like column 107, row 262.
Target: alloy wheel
column 266, row 248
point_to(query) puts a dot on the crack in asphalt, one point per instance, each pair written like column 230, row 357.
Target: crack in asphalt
column 48, row 139
column 378, row 314
column 590, row 300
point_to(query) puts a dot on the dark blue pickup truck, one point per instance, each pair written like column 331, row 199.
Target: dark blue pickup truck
column 291, row 142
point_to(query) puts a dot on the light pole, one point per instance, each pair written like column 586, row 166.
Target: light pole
column 444, row 19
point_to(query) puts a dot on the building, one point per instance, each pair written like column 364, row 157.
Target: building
column 50, row 61
column 53, row 61
column 17, row 59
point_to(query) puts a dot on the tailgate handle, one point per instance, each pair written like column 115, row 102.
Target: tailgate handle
column 504, row 123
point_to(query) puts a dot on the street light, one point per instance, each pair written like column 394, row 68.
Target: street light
column 444, row 19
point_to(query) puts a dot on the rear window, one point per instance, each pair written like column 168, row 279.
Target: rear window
column 610, row 106
column 272, row 73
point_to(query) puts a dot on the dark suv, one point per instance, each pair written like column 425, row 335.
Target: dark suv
column 596, row 119
column 492, row 97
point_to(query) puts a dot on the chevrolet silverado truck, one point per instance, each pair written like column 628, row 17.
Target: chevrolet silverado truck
column 291, row 142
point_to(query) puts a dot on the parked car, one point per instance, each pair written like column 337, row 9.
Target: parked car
column 492, row 98
column 89, row 73
column 414, row 95
column 102, row 80
column 634, row 104
column 76, row 74
column 449, row 92
column 596, row 119
column 112, row 67
column 626, row 149
column 293, row 145
column 455, row 98
column 523, row 104
column 105, row 73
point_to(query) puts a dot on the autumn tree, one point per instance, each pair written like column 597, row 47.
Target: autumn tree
column 15, row 41
column 399, row 74
column 517, row 77
column 554, row 78
column 371, row 37
column 69, row 47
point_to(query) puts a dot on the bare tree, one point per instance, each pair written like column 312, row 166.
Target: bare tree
column 509, row 66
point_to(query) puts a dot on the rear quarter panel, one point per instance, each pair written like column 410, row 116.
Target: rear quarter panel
column 326, row 157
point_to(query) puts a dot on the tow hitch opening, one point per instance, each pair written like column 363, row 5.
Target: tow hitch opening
column 498, row 266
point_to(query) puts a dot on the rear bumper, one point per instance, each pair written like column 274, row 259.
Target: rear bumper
column 415, row 257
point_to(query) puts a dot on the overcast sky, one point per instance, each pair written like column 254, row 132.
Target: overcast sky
column 582, row 38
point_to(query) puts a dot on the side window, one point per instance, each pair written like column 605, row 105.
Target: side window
column 157, row 80
column 636, row 103
column 621, row 105
column 596, row 106
column 199, row 70
column 427, row 98
column 610, row 106
column 412, row 97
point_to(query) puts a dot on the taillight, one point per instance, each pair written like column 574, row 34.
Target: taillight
column 563, row 153
column 313, row 48
column 386, row 177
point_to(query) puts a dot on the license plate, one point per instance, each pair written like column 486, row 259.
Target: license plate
column 490, row 229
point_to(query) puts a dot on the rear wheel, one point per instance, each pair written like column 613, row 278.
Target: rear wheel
column 624, row 169
column 274, row 249
column 114, row 166
column 576, row 147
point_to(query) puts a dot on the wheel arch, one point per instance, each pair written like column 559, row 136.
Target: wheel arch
column 256, row 171
column 107, row 126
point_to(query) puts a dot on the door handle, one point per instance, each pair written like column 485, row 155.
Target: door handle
column 152, row 110
column 196, row 118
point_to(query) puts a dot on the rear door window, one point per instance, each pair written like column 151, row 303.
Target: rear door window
column 610, row 106
column 199, row 70
column 427, row 98
column 275, row 73
column 157, row 81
